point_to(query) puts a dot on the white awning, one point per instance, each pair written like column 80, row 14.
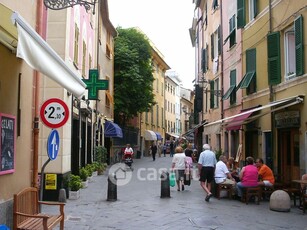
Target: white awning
column 173, row 135
column 150, row 135
column 280, row 103
column 41, row 57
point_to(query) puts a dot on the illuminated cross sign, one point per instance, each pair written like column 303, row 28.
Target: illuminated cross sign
column 93, row 84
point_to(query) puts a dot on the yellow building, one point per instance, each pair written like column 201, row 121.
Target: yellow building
column 152, row 124
column 274, row 38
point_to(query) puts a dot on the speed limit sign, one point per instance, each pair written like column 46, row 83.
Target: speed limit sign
column 54, row 113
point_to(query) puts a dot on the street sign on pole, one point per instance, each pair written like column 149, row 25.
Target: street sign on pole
column 54, row 113
column 53, row 144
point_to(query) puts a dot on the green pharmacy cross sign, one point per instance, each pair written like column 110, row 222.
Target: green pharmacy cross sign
column 93, row 84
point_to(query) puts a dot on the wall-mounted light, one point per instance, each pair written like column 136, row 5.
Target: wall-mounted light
column 63, row 4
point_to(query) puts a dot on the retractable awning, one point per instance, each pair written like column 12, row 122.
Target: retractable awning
column 275, row 106
column 159, row 137
column 41, row 57
column 150, row 135
column 173, row 135
column 236, row 123
column 8, row 32
column 111, row 129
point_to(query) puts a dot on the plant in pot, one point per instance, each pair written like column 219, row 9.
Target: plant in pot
column 84, row 175
column 75, row 185
column 90, row 169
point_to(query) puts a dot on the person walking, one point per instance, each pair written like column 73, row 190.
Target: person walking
column 188, row 164
column 171, row 147
column 159, row 147
column 206, row 166
column 153, row 149
column 178, row 166
column 164, row 149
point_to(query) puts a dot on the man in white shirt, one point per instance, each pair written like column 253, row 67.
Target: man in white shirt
column 222, row 174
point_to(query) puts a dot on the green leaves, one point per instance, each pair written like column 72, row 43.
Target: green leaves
column 133, row 78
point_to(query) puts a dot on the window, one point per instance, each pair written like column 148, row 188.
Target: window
column 216, row 93
column 157, row 115
column 157, row 85
column 215, row 4
column 152, row 116
column 162, row 89
column 162, row 117
column 290, row 54
column 204, row 61
column 232, row 32
column 274, row 72
column 76, row 45
column 84, row 59
column 108, row 46
column 252, row 9
column 215, row 44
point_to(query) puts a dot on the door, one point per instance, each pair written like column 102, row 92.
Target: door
column 289, row 154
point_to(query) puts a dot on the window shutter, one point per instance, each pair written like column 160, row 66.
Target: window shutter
column 212, row 46
column 240, row 13
column 299, row 45
column 211, row 94
column 203, row 60
column 250, row 60
column 274, row 72
column 255, row 8
column 219, row 42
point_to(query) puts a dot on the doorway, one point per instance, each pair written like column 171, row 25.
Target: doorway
column 288, row 154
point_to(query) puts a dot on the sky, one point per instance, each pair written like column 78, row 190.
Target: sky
column 166, row 23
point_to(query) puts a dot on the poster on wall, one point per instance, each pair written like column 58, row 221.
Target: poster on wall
column 7, row 145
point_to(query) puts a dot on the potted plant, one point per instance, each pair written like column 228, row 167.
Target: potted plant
column 75, row 185
column 84, row 175
column 90, row 169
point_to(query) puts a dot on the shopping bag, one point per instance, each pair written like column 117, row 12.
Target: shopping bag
column 187, row 179
column 172, row 179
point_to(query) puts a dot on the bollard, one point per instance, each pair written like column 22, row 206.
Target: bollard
column 112, row 187
column 165, row 188
column 62, row 195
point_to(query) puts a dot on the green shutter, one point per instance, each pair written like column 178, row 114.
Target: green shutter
column 211, row 94
column 255, row 8
column 228, row 92
column 240, row 13
column 247, row 79
column 299, row 45
column 212, row 46
column 250, row 60
column 274, row 71
column 203, row 60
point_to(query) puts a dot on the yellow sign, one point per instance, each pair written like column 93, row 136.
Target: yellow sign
column 50, row 181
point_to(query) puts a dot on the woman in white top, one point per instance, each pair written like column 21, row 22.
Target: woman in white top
column 178, row 166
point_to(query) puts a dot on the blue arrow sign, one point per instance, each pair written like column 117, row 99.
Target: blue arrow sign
column 53, row 144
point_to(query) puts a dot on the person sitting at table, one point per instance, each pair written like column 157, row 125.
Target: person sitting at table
column 248, row 176
column 265, row 174
column 222, row 174
column 233, row 169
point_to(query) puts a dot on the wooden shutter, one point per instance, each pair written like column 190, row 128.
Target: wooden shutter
column 299, row 45
column 219, row 42
column 211, row 94
column 274, row 72
column 212, row 46
column 240, row 13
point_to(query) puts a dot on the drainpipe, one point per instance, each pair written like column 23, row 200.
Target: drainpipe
column 36, row 76
column 222, row 61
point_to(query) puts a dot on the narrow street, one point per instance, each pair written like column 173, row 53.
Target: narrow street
column 139, row 206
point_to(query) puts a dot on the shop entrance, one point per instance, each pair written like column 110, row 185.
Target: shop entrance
column 288, row 154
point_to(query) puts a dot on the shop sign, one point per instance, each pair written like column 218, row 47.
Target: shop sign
column 287, row 119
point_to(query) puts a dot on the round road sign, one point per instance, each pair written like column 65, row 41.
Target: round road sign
column 54, row 113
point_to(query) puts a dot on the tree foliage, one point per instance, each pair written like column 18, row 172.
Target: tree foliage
column 133, row 78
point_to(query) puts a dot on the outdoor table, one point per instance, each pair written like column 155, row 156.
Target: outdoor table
column 302, row 188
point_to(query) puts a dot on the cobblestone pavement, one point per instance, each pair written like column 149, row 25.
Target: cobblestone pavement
column 139, row 205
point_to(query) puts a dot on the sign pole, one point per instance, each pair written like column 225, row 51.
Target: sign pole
column 42, row 182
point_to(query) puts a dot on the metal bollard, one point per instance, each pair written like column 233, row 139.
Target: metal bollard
column 112, row 187
column 62, row 195
column 165, row 187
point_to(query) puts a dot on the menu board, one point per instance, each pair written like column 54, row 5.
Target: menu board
column 7, row 145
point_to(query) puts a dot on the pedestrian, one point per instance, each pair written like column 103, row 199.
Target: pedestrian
column 159, row 147
column 178, row 166
column 188, row 164
column 128, row 150
column 248, row 176
column 171, row 146
column 164, row 149
column 154, row 150
column 206, row 166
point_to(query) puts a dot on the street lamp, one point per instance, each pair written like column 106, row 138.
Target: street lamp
column 63, row 4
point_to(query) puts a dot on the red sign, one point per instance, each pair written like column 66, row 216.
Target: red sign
column 54, row 113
